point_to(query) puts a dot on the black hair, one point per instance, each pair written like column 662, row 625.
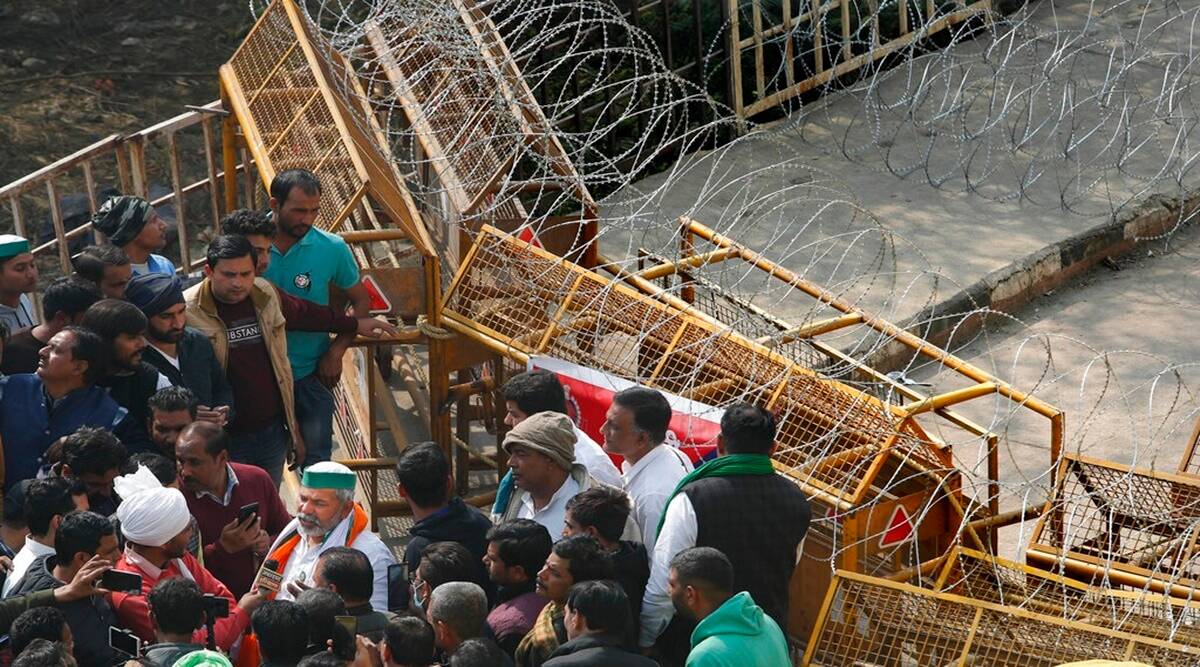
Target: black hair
column 651, row 411
column 228, row 246
column 113, row 317
column 422, row 469
column 174, row 399
column 42, row 653
column 44, row 500
column 477, row 652
column 284, row 181
column 216, row 439
column 446, row 561
column 350, row 570
column 704, row 567
column 536, row 391
column 322, row 607
column 69, row 295
column 522, row 542
column 603, row 604
column 282, row 629
column 247, row 222
column 163, row 468
column 80, row 532
column 747, row 429
column 586, row 559
column 87, row 345
column 91, row 261
column 603, row 507
column 93, row 450
column 178, row 605
column 322, row 659
column 37, row 623
column 410, row 640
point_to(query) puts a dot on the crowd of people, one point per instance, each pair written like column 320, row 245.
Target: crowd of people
column 147, row 419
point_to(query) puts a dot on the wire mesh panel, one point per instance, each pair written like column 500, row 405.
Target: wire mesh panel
column 527, row 301
column 292, row 95
column 979, row 576
column 869, row 621
column 1139, row 523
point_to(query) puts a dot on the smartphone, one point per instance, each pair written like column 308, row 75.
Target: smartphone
column 343, row 647
column 121, row 582
column 246, row 511
column 397, row 586
column 125, row 642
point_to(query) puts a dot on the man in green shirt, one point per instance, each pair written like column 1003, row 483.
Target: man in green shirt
column 306, row 262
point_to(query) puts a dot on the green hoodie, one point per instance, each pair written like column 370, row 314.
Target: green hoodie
column 737, row 634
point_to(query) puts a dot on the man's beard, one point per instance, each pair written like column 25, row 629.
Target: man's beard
column 313, row 531
column 164, row 336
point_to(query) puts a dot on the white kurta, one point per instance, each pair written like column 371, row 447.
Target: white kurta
column 304, row 558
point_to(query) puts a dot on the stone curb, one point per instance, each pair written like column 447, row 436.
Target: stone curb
column 1009, row 288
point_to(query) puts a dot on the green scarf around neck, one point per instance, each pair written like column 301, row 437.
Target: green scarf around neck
column 724, row 466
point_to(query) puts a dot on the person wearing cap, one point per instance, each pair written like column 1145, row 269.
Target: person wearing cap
column 61, row 397
column 541, row 454
column 181, row 353
column 328, row 517
column 63, row 302
column 156, row 525
column 18, row 277
column 132, row 224
column 307, row 262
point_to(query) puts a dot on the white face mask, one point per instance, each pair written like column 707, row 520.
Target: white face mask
column 417, row 600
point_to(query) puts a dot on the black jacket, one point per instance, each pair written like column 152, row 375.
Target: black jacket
column 89, row 618
column 597, row 650
column 198, row 370
column 456, row 523
column 132, row 391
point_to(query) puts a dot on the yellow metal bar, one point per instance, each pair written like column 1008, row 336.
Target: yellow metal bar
column 949, row 398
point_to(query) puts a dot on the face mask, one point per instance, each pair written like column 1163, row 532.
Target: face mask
column 417, row 600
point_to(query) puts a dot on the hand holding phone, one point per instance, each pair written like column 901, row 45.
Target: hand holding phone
column 247, row 511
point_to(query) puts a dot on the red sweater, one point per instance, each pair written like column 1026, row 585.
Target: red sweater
column 133, row 612
column 237, row 570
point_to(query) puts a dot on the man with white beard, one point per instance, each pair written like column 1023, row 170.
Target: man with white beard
column 328, row 517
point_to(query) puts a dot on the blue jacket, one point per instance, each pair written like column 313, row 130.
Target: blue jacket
column 29, row 424
column 198, row 369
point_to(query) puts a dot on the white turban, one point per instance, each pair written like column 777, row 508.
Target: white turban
column 150, row 514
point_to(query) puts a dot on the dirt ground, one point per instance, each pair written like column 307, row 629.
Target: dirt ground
column 75, row 71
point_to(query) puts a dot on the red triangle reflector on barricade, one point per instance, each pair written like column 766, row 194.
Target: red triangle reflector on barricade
column 899, row 529
column 380, row 305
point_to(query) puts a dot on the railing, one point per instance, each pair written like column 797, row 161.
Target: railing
column 175, row 164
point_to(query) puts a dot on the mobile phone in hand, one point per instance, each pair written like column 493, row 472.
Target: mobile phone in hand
column 246, row 511
column 117, row 581
column 124, row 641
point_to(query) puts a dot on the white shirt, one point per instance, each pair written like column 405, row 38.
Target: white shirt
column 554, row 515
column 32, row 551
column 678, row 533
column 22, row 316
column 304, row 559
column 649, row 483
column 597, row 462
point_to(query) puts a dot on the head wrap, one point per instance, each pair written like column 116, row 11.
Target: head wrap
column 548, row 433
column 12, row 245
column 121, row 218
column 150, row 514
column 203, row 658
column 153, row 293
column 328, row 475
